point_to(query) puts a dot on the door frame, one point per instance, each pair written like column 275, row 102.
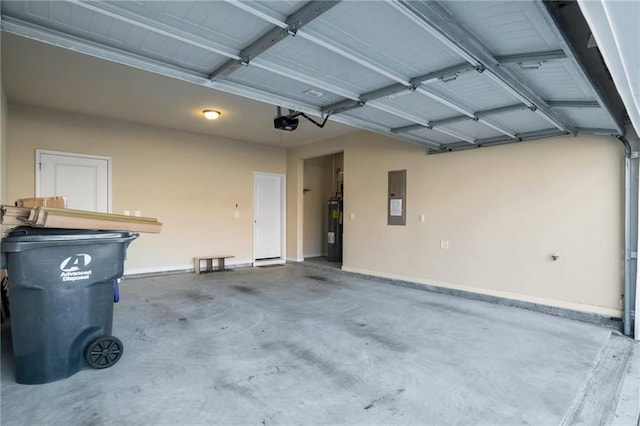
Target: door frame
column 283, row 220
column 38, row 162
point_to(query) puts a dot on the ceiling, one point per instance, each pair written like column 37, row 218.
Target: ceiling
column 446, row 76
column 84, row 84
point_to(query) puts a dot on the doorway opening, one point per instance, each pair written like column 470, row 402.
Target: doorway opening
column 323, row 210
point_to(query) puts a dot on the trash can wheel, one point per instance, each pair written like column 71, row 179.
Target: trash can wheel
column 103, row 352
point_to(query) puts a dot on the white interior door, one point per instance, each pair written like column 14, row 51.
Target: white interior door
column 85, row 180
column 268, row 218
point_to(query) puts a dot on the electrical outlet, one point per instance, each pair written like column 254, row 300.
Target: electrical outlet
column 137, row 213
column 127, row 212
column 444, row 244
column 237, row 214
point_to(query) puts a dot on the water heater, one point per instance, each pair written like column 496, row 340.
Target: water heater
column 334, row 236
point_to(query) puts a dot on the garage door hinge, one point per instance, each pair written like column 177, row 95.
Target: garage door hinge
column 633, row 255
column 635, row 154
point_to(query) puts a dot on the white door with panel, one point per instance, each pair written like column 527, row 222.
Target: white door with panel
column 268, row 218
column 85, row 180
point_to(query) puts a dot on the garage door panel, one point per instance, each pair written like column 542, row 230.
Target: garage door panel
column 507, row 27
column 378, row 39
column 382, row 118
column 271, row 82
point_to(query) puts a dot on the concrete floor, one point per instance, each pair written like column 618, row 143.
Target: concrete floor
column 323, row 262
column 305, row 345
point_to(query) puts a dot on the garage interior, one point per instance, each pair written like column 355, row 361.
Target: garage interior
column 513, row 125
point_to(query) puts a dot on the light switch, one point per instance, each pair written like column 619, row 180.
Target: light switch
column 421, row 218
column 352, row 216
column 237, row 214
column 444, row 244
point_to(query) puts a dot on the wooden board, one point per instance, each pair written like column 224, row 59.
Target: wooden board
column 97, row 215
column 60, row 202
column 53, row 221
column 49, row 217
column 10, row 215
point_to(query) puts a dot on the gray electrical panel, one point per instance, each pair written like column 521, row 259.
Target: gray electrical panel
column 397, row 199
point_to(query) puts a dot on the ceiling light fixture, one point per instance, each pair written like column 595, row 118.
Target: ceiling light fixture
column 210, row 114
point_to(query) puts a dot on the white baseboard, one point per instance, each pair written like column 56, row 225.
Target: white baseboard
column 235, row 263
column 157, row 269
column 580, row 307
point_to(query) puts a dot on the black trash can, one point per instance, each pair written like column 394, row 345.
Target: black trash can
column 61, row 293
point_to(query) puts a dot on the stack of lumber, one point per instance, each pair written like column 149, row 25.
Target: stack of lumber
column 50, row 217
column 59, row 202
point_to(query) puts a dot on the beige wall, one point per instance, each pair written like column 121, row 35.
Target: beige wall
column 503, row 210
column 3, row 137
column 335, row 164
column 3, row 145
column 314, row 206
column 190, row 182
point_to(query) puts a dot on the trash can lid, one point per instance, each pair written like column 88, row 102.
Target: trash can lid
column 32, row 234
